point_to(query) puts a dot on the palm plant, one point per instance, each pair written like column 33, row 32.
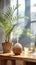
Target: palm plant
column 7, row 18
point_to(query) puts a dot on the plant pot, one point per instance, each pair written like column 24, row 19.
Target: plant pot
column 7, row 47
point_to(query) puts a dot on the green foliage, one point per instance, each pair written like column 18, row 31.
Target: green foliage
column 7, row 18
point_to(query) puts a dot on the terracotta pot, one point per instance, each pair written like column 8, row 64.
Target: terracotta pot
column 7, row 47
column 17, row 49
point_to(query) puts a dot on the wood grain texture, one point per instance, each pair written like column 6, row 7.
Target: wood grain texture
column 4, row 62
column 25, row 58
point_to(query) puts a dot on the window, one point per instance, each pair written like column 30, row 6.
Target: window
column 28, row 9
column 33, row 17
column 24, row 10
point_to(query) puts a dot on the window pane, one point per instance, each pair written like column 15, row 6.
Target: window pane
column 33, row 19
column 33, row 30
column 22, row 6
column 13, row 5
column 21, row 10
column 33, row 10
column 33, row 16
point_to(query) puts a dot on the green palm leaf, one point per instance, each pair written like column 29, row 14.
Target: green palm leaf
column 7, row 18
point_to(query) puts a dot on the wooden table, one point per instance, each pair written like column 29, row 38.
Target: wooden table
column 25, row 57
